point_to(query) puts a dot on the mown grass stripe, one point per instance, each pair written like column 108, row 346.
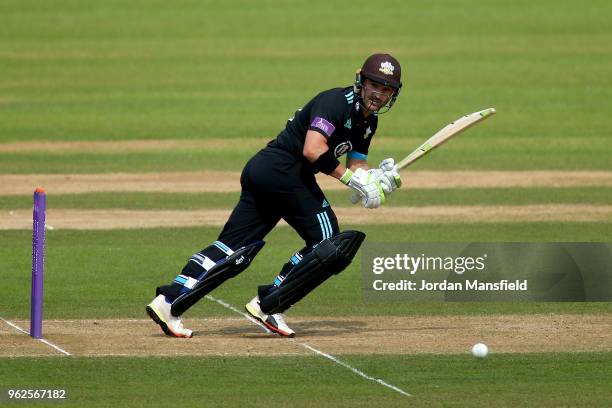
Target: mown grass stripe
column 128, row 219
column 337, row 198
column 255, row 143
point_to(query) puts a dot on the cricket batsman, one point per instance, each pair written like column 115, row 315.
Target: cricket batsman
column 279, row 183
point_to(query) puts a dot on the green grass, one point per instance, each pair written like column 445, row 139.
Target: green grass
column 483, row 155
column 402, row 197
column 112, row 71
column 543, row 380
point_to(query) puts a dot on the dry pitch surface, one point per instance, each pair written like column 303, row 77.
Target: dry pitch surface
column 337, row 335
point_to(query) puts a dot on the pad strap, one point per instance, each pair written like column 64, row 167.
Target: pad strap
column 237, row 262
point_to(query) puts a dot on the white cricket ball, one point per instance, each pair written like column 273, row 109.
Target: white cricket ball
column 480, row 350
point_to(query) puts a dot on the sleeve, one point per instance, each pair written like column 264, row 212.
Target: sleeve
column 326, row 114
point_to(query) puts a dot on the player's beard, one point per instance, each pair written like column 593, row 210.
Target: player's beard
column 374, row 104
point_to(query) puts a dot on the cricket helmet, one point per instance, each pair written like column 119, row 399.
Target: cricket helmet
column 383, row 69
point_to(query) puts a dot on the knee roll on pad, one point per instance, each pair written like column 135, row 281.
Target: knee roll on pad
column 330, row 257
column 230, row 267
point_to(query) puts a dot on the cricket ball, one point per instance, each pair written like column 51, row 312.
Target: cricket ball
column 480, row 350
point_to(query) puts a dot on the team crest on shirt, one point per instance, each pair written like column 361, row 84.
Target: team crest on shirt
column 367, row 133
column 343, row 148
column 386, row 68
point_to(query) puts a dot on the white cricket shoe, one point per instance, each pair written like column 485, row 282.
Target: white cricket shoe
column 274, row 322
column 159, row 311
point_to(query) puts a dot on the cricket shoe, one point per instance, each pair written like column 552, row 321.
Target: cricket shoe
column 274, row 322
column 159, row 311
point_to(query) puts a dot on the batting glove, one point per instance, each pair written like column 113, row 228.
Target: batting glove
column 390, row 175
column 367, row 187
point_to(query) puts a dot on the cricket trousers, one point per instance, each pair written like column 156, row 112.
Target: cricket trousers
column 275, row 185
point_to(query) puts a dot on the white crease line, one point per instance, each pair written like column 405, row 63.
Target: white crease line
column 314, row 350
column 14, row 326
column 232, row 308
column 353, row 369
column 48, row 343
column 61, row 350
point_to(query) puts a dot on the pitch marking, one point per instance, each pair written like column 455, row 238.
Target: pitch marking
column 48, row 343
column 314, row 350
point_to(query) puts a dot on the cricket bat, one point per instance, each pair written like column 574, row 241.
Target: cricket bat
column 444, row 134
